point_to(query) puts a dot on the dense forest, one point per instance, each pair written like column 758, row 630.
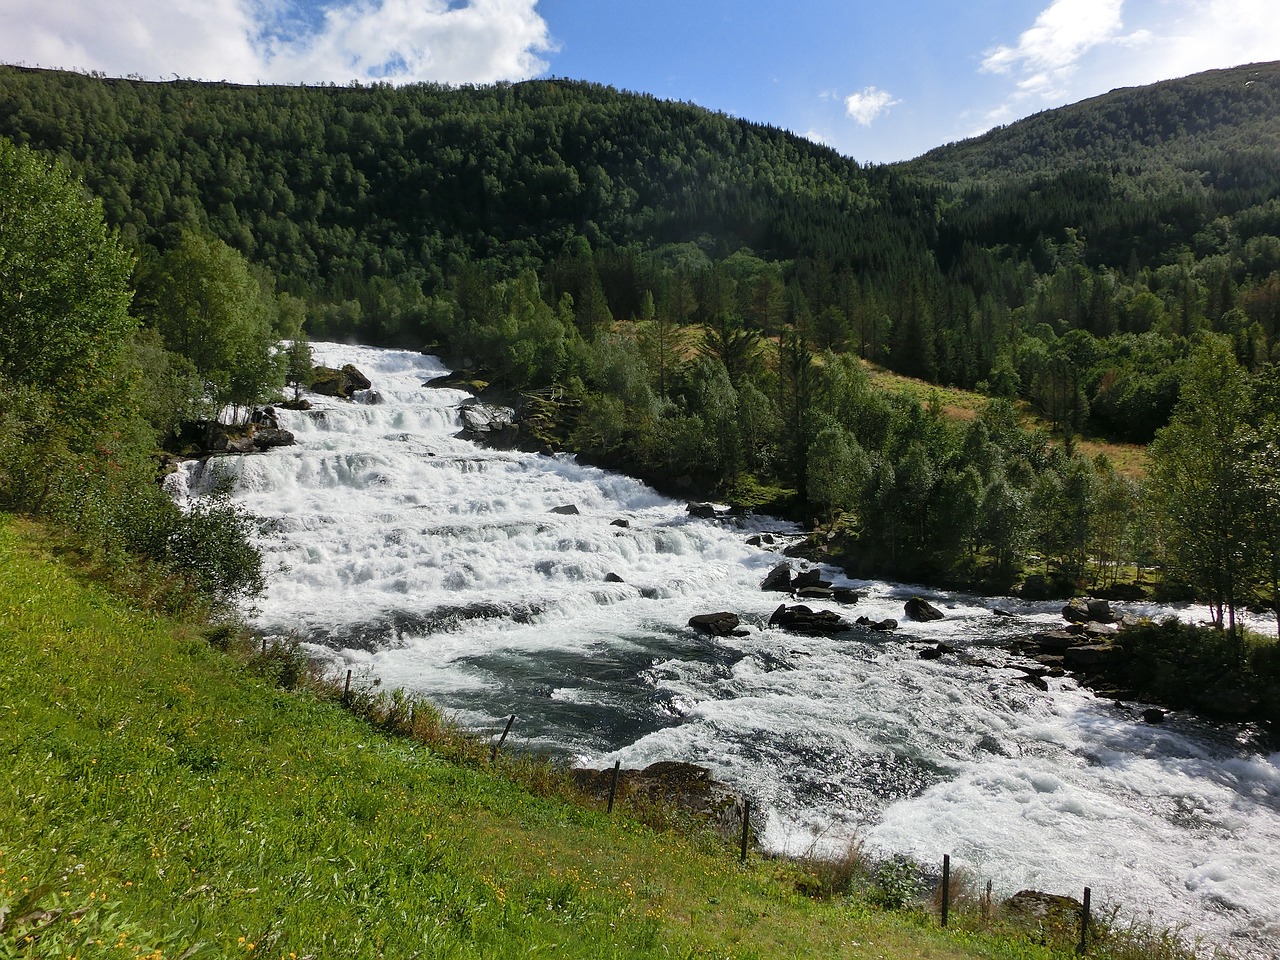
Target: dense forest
column 703, row 295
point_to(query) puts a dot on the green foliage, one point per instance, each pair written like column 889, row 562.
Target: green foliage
column 210, row 309
column 1199, row 477
column 64, row 292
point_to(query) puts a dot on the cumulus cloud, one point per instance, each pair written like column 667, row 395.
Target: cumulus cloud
column 868, row 104
column 1046, row 55
column 478, row 41
column 1080, row 48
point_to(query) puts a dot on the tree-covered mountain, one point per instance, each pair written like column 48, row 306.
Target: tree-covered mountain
column 701, row 290
column 1145, row 173
column 332, row 186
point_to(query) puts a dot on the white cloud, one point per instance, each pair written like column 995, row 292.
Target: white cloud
column 868, row 104
column 1081, row 48
column 478, row 41
column 1046, row 56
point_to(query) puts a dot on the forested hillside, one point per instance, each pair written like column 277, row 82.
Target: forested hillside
column 702, row 292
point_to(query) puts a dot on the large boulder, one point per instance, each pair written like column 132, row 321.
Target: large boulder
column 1090, row 657
column 490, row 424
column 355, row 379
column 716, row 624
column 778, row 579
column 810, row 578
column 1076, row 611
column 920, row 609
column 266, row 438
column 814, row 623
column 329, row 382
column 702, row 511
column 1056, row 641
column 879, row 626
column 1100, row 611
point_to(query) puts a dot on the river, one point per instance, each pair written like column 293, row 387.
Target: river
column 422, row 560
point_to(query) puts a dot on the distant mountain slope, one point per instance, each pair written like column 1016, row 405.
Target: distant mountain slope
column 328, row 185
column 1141, row 174
column 1196, row 120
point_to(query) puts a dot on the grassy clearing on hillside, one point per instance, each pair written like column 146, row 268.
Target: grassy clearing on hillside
column 159, row 799
column 1130, row 459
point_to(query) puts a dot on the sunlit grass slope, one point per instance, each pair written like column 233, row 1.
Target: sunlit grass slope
column 159, row 799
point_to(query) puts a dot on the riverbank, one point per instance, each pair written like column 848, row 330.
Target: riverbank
column 188, row 807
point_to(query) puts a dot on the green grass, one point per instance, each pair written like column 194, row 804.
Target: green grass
column 160, row 798
column 1129, row 459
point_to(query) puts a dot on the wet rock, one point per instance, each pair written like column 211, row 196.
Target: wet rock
column 1056, row 641
column 815, row 593
column 702, row 511
column 356, row 379
column 612, row 577
column 265, row 439
column 489, row 423
column 778, row 579
column 761, row 540
column 620, row 522
column 809, row 578
column 1000, row 612
column 1090, row 657
column 814, row 623
column 920, row 609
column 1076, row 611
column 880, row 626
column 716, row 624
column 1152, row 715
column 566, row 510
column 1100, row 611
column 845, row 595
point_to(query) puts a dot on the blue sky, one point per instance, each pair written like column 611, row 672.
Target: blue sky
column 879, row 81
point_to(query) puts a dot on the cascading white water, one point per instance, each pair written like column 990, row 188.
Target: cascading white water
column 437, row 566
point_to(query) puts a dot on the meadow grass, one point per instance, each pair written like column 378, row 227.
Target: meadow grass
column 161, row 797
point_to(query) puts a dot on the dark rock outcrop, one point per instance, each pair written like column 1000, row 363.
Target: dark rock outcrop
column 721, row 624
column 265, row 439
column 490, row 424
column 329, row 382
column 702, row 511
column 355, row 378
column 920, row 609
column 620, row 522
column 612, row 577
column 814, row 623
column 879, row 626
column 566, row 510
column 778, row 580
column 809, row 578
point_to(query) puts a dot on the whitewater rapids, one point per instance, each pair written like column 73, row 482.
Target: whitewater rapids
column 420, row 559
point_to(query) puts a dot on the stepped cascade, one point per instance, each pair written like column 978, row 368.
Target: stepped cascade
column 422, row 560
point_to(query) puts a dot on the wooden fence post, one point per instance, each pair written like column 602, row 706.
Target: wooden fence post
column 346, row 690
column 613, row 785
column 1084, row 924
column 946, row 887
column 746, row 828
column 493, row 754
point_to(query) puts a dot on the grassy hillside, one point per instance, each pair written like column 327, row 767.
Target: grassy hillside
column 161, row 799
